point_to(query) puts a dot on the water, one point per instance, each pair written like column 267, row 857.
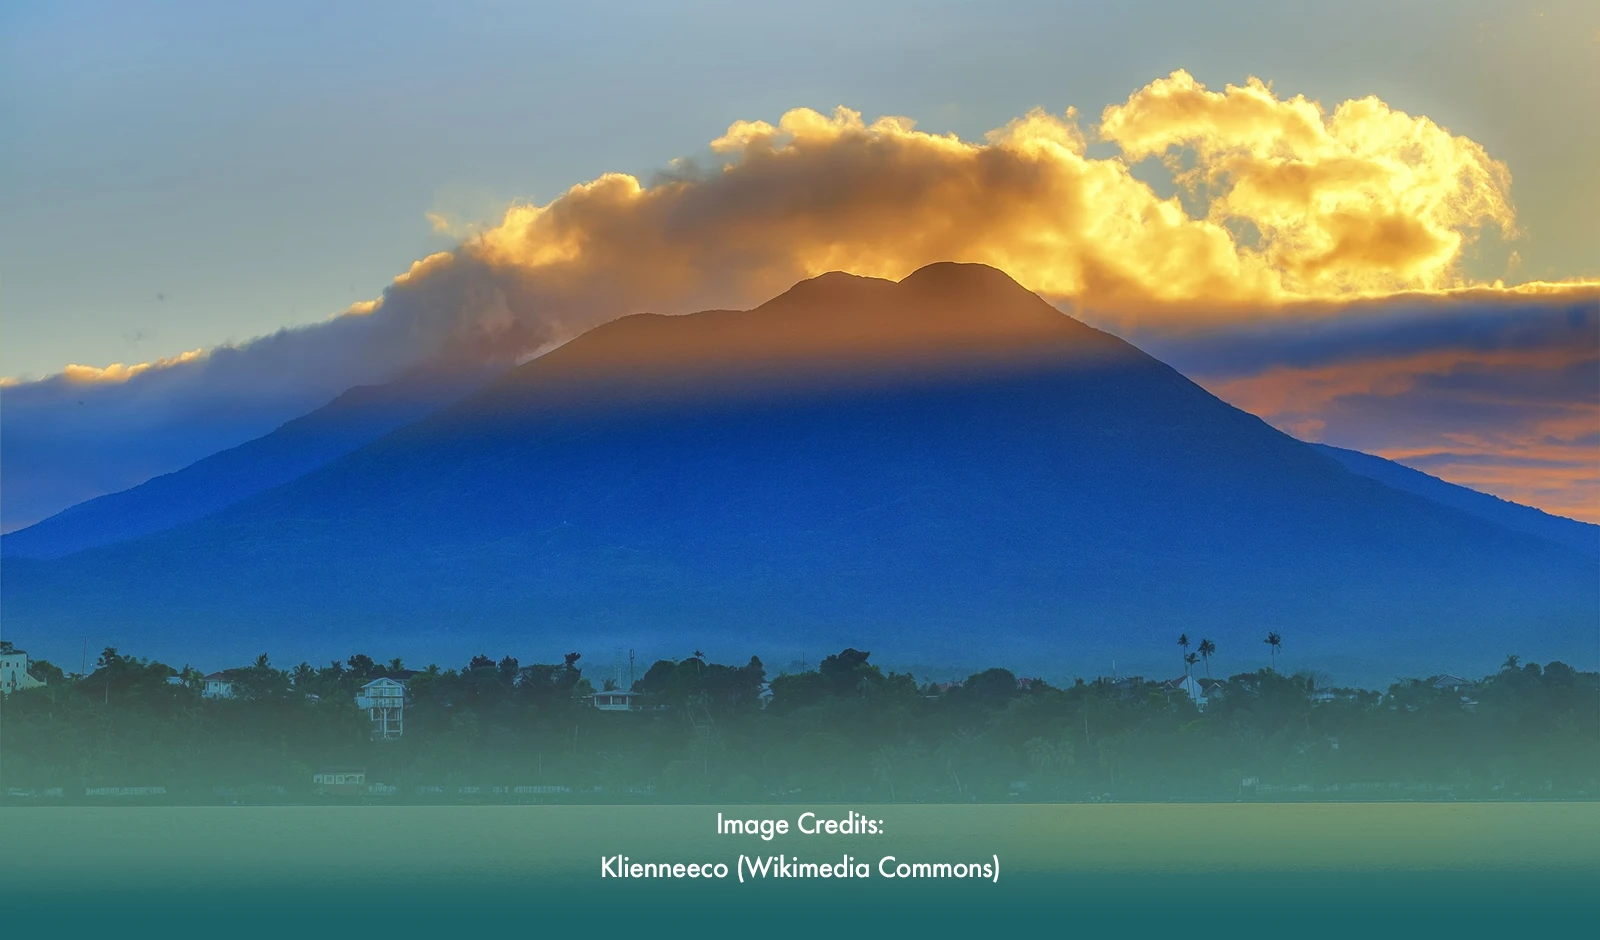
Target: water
column 1201, row 869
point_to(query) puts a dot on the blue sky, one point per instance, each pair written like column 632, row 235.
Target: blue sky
column 183, row 174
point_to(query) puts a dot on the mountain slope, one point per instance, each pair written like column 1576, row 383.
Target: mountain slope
column 356, row 417
column 946, row 468
column 1579, row 536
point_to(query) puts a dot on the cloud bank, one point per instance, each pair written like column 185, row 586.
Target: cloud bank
column 1501, row 396
column 1281, row 212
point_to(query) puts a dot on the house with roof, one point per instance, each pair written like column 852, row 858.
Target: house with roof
column 1463, row 688
column 1187, row 685
column 14, row 673
column 384, row 700
column 614, row 700
column 219, row 684
column 1122, row 687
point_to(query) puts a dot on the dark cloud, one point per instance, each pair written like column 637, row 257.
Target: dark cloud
column 1500, row 396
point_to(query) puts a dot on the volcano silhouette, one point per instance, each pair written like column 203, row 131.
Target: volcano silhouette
column 945, row 470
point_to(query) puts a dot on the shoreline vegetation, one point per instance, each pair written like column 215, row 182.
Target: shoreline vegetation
column 134, row 731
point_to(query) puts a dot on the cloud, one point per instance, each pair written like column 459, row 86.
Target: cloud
column 1365, row 200
column 1299, row 205
column 1499, row 396
column 1297, row 212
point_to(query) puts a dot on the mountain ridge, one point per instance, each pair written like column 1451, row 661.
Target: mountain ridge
column 961, row 466
column 355, row 417
column 1575, row 534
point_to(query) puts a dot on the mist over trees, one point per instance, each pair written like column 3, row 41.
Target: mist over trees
column 845, row 730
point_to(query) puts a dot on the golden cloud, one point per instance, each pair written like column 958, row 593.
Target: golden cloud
column 119, row 372
column 1300, row 206
column 1366, row 200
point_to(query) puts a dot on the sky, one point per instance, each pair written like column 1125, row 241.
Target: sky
column 183, row 178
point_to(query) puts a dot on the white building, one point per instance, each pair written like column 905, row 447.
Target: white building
column 340, row 782
column 1191, row 687
column 614, row 700
column 385, row 702
column 218, row 685
column 14, row 672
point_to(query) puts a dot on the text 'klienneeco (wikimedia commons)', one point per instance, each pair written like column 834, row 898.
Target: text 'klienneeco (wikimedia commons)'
column 785, row 865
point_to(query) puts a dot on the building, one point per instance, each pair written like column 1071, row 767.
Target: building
column 385, row 702
column 340, row 782
column 219, row 684
column 614, row 700
column 1455, row 685
column 1190, row 687
column 14, row 673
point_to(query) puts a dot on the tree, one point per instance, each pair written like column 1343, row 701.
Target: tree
column 845, row 671
column 656, row 679
column 46, row 672
column 992, row 687
column 259, row 681
column 1183, row 642
column 1274, row 641
column 1188, row 663
column 1207, row 650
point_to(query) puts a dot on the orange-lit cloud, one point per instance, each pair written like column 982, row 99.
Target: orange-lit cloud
column 1291, row 391
column 1364, row 200
column 119, row 372
column 1300, row 204
column 1519, row 419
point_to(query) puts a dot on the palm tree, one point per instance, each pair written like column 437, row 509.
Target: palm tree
column 1183, row 642
column 1512, row 662
column 1207, row 650
column 1275, row 641
column 1189, row 660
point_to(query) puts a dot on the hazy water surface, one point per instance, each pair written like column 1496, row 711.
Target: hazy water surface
column 1307, row 869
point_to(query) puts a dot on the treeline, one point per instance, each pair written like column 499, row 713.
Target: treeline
column 845, row 730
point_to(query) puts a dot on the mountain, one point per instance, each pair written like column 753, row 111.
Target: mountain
column 944, row 469
column 1580, row 536
column 358, row 416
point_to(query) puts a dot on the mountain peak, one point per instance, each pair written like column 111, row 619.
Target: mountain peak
column 963, row 276
column 943, row 282
column 826, row 329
